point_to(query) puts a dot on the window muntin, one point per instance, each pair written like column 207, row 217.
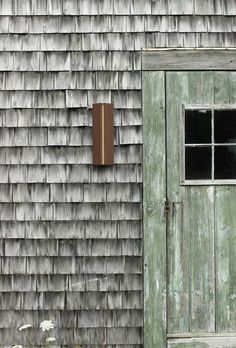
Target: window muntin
column 209, row 150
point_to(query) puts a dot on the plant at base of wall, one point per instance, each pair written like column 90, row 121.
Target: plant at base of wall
column 45, row 325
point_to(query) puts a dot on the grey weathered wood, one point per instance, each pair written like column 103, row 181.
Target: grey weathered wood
column 225, row 253
column 79, row 51
column 200, row 216
column 178, row 239
column 208, row 342
column 191, row 268
column 187, row 59
column 200, row 334
column 154, row 219
column 225, row 226
column 199, row 222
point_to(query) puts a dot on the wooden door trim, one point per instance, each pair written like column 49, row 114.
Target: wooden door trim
column 155, row 63
column 201, row 334
column 154, row 220
column 178, row 59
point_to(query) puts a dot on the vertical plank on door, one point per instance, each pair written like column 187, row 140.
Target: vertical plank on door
column 201, row 88
column 191, row 283
column 154, row 219
column 178, row 241
column 199, row 224
column 199, row 216
column 221, row 88
column 226, row 258
column 225, row 223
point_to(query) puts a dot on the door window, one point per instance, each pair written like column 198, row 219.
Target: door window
column 209, row 150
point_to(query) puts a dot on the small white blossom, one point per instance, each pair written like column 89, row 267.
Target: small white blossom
column 24, row 327
column 232, row 297
column 50, row 339
column 46, row 325
column 18, row 346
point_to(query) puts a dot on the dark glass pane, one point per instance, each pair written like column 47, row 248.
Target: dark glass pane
column 225, row 162
column 197, row 126
column 225, row 126
column 197, row 163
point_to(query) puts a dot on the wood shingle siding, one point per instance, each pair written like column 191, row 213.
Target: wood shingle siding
column 71, row 233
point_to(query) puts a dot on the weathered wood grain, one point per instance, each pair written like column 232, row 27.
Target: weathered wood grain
column 226, row 276
column 154, row 219
column 201, row 88
column 222, row 87
column 178, row 238
column 224, row 93
column 198, row 59
column 84, row 24
column 208, row 342
column 200, row 223
column 191, row 267
column 57, row 58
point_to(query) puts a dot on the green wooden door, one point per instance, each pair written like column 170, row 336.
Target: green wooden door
column 190, row 242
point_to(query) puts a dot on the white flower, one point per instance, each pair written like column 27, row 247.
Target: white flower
column 24, row 327
column 50, row 339
column 18, row 346
column 46, row 325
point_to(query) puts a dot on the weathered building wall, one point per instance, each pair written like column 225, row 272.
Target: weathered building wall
column 71, row 236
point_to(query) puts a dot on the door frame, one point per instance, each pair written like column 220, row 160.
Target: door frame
column 155, row 62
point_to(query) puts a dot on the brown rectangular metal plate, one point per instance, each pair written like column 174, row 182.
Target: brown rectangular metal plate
column 103, row 134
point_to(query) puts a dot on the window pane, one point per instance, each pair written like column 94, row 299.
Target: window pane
column 225, row 162
column 225, row 126
column 197, row 163
column 197, row 126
